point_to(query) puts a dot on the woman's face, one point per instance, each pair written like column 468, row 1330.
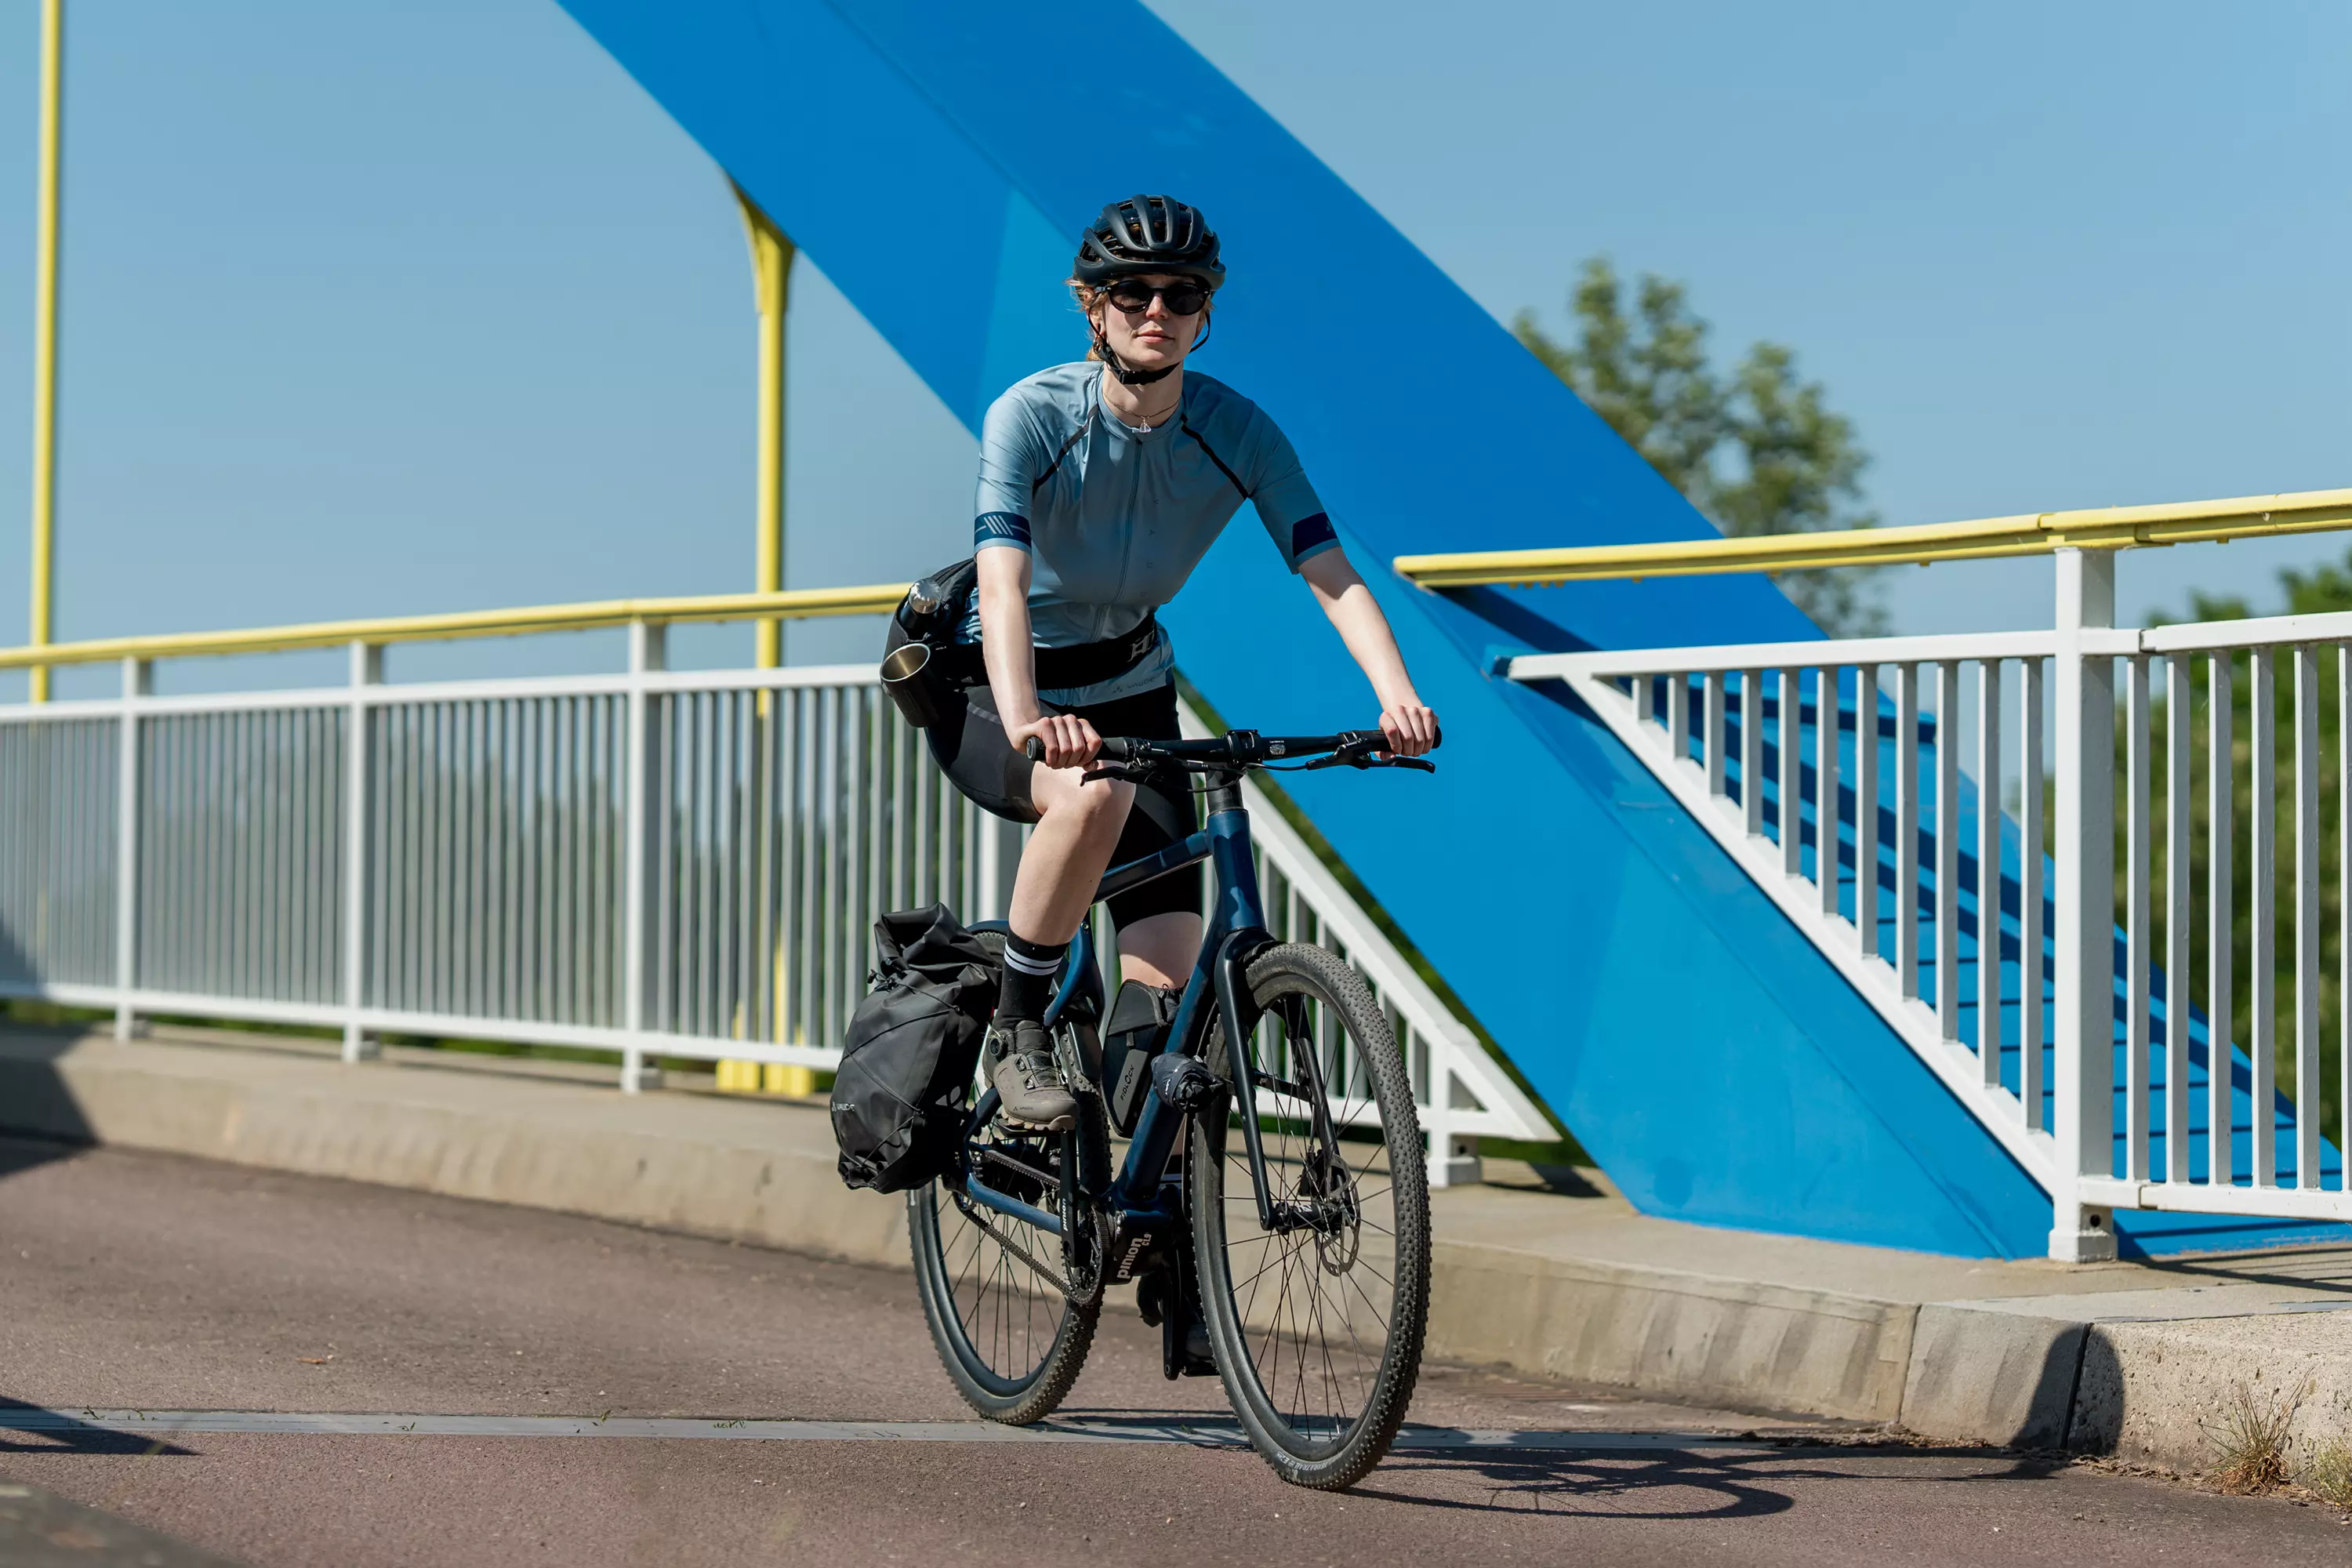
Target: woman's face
column 1153, row 336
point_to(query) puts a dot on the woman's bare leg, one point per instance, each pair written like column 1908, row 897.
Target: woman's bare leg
column 1077, row 829
column 1160, row 950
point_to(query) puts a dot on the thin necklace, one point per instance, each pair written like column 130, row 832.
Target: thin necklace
column 1149, row 424
column 1152, row 423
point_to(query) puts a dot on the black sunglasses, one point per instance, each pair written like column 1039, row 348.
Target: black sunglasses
column 1184, row 298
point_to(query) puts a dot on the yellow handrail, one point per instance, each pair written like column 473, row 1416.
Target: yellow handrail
column 2031, row 533
column 797, row 604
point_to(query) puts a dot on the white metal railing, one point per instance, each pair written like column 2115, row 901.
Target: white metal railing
column 653, row 863
column 2000, row 945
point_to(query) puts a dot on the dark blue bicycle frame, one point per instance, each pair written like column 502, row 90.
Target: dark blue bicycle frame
column 1235, row 932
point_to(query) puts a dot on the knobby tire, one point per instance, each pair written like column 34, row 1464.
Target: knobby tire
column 1290, row 1315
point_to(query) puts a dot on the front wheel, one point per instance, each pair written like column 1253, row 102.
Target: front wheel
column 1317, row 1305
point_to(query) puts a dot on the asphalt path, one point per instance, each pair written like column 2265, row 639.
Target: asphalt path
column 287, row 1371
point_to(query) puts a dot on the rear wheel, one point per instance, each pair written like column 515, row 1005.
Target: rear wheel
column 1318, row 1317
column 1011, row 1341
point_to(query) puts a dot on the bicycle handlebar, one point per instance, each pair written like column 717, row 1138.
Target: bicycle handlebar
column 1248, row 749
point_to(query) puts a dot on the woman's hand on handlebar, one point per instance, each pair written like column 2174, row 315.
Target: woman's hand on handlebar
column 1410, row 728
column 1069, row 741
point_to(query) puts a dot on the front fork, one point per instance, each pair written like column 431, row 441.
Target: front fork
column 1238, row 1010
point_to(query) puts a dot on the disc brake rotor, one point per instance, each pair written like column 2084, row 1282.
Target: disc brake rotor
column 1334, row 1215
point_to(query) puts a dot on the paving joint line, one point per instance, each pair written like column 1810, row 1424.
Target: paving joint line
column 1211, row 1432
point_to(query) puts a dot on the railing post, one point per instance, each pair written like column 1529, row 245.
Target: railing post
column 359, row 807
column 1906, row 829
column 138, row 681
column 1000, row 861
column 648, row 648
column 2083, row 1125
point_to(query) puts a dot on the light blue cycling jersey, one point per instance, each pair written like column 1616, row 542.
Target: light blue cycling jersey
column 1115, row 519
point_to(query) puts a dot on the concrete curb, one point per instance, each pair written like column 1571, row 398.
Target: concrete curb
column 1742, row 1343
column 2125, row 1359
column 1993, row 1376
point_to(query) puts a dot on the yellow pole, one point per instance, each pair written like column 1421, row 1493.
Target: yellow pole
column 772, row 271
column 44, row 344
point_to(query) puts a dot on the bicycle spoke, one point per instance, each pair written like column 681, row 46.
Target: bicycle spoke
column 1380, row 1316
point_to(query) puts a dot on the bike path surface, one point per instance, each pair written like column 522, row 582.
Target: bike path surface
column 143, row 1284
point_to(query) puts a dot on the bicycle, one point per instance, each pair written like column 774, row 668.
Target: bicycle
column 1305, row 1251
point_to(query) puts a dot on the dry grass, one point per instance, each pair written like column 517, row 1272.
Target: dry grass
column 2330, row 1473
column 2250, row 1438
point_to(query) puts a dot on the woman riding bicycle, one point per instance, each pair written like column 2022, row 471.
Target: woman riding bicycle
column 1102, row 484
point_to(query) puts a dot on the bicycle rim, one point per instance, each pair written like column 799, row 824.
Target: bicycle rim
column 1011, row 1341
column 1317, row 1323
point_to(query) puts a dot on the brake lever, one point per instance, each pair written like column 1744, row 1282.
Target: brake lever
column 1367, row 759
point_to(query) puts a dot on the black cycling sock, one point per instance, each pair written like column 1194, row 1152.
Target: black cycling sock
column 1029, row 968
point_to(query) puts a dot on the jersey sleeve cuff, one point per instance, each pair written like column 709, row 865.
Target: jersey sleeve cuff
column 1310, row 537
column 1000, row 528
column 1304, row 556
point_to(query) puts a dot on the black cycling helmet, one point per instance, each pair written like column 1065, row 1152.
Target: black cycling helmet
column 1148, row 233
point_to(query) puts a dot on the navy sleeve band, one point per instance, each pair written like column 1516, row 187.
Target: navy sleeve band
column 1004, row 528
column 1309, row 532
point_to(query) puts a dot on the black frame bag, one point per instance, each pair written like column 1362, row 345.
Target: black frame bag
column 902, row 1094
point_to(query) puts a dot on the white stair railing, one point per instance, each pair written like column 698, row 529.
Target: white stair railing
column 1859, row 783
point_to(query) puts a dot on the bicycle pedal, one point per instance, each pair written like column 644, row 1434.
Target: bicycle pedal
column 1184, row 1083
column 1014, row 1124
column 1071, row 1058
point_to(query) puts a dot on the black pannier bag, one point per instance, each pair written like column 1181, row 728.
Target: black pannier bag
column 901, row 1097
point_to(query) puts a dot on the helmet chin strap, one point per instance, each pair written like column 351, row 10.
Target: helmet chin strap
column 1117, row 366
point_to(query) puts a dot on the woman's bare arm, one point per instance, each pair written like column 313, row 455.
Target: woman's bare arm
column 1411, row 727
column 1004, row 644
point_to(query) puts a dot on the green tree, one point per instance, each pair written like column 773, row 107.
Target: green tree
column 1760, row 452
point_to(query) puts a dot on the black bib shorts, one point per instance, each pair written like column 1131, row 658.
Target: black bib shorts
column 970, row 745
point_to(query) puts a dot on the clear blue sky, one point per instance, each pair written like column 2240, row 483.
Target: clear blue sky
column 378, row 308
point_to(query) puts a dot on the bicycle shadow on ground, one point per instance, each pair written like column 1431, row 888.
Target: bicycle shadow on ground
column 1665, row 1484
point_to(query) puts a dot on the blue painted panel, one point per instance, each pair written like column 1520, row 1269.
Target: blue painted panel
column 938, row 160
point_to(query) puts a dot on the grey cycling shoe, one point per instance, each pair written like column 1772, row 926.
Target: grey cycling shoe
column 1026, row 1081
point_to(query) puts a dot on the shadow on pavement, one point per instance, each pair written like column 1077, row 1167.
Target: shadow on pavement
column 35, row 1105
column 1665, row 1484
column 58, row 1431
